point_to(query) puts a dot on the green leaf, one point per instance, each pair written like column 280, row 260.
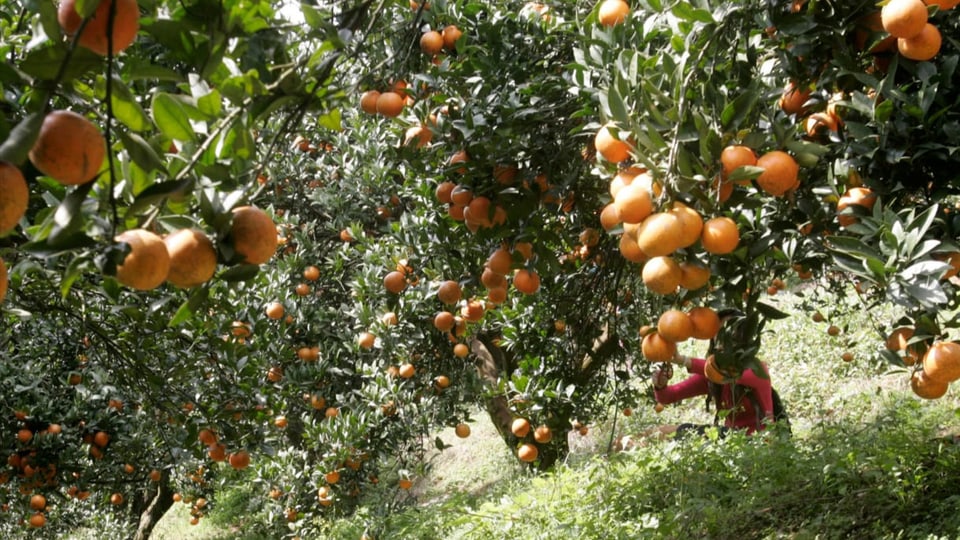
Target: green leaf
column 770, row 312
column 330, row 120
column 687, row 12
column 44, row 63
column 171, row 117
column 197, row 298
column 157, row 193
column 618, row 109
column 85, row 8
column 745, row 172
column 737, row 110
column 240, row 272
column 141, row 152
column 21, row 139
column 125, row 107
column 69, row 216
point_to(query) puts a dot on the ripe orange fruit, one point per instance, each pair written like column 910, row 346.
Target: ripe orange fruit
column 609, row 217
column 420, row 135
column 126, row 24
column 395, row 282
column 368, row 101
column 780, row 173
column 492, row 279
column 444, row 191
column 311, row 273
column 527, row 452
column 497, row 295
column 275, row 374
column 147, row 264
column 736, row 156
column 366, row 340
column 713, row 373
column 898, row 339
column 661, row 275
column 16, row 196
column 923, row 46
column 520, row 427
column 657, row 349
column 207, row 437
column 693, row 276
column 451, row 34
column 37, row 520
column 449, row 292
column 660, row 234
column 407, row 371
column 460, row 350
column 705, row 321
column 542, row 434
column 472, row 311
column 101, row 439
column 274, row 310
column 390, row 104
column 405, row 483
column 625, row 177
column 674, row 325
column 630, row 250
column 332, row 477
column 927, row 388
column 690, row 221
column 193, row 258
column 633, row 203
column 155, row 475
column 443, row 321
column 793, row 99
column 858, row 196
column 478, row 212
column 833, row 330
column 941, row 362
column 462, row 430
column 611, row 148
column 38, row 502
column 69, row 148
column 500, row 261
column 720, row 235
column 613, row 12
column 431, row 42
column 254, row 235
column 526, row 281
column 903, row 18
column 239, row 460
column 116, row 499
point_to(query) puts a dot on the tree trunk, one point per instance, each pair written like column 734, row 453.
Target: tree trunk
column 151, row 507
column 492, row 362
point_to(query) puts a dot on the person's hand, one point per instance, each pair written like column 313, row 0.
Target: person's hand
column 661, row 377
column 681, row 360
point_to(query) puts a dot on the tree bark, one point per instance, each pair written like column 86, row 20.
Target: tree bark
column 491, row 363
column 151, row 507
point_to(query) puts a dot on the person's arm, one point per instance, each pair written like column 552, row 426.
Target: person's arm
column 762, row 392
column 694, row 385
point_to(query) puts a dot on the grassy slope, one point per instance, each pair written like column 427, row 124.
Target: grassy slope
column 866, row 460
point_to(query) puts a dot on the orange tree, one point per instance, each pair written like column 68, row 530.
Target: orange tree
column 477, row 203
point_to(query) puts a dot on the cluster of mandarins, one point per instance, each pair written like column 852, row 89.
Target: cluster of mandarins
column 529, row 451
column 908, row 22
column 941, row 366
column 674, row 326
column 653, row 237
column 391, row 103
column 71, row 150
column 34, row 473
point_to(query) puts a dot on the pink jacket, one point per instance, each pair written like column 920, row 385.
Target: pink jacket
column 745, row 416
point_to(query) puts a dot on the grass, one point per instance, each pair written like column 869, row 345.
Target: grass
column 867, row 460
